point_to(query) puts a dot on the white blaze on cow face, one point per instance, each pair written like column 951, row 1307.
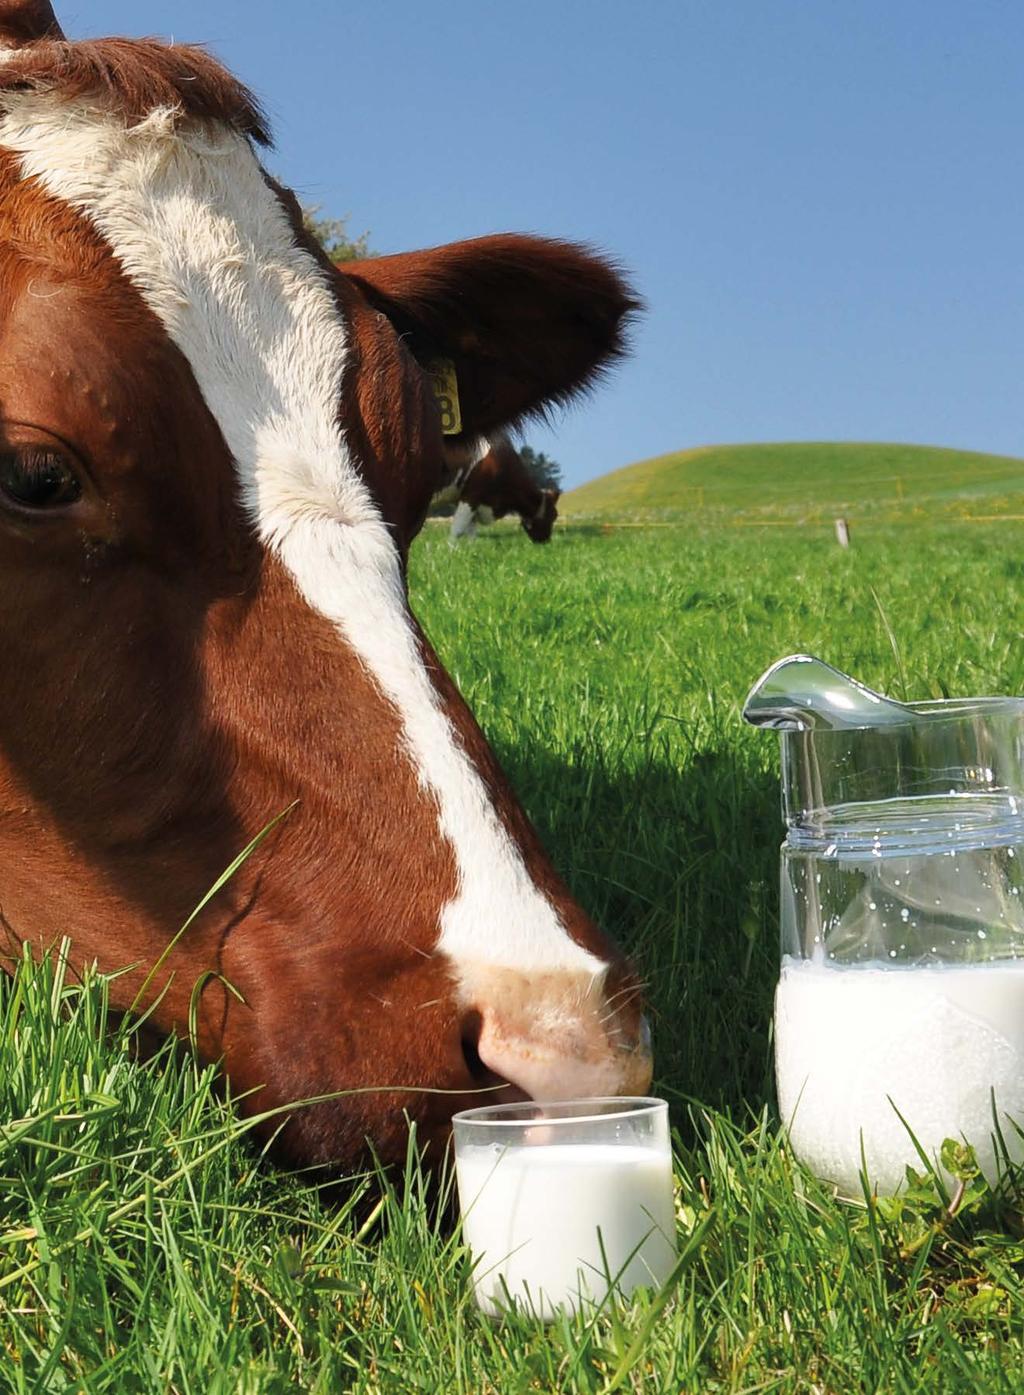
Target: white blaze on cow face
column 190, row 218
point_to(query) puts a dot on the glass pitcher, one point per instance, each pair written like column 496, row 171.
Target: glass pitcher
column 899, row 1015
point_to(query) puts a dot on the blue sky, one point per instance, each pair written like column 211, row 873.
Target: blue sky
column 822, row 202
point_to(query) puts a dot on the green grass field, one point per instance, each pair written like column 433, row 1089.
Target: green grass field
column 809, row 482
column 144, row 1247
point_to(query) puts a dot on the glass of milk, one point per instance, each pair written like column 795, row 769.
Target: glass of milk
column 900, row 1005
column 564, row 1203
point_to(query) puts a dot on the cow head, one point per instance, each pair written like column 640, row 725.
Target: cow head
column 214, row 450
column 539, row 525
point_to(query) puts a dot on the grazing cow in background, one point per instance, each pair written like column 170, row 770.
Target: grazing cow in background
column 214, row 451
column 497, row 485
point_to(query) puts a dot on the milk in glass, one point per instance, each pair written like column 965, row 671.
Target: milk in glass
column 554, row 1218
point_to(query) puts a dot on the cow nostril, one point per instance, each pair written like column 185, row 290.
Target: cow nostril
column 471, row 1029
column 499, row 1089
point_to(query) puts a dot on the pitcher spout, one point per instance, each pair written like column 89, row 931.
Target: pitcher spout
column 803, row 693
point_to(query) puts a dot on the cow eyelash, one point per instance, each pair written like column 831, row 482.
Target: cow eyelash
column 38, row 478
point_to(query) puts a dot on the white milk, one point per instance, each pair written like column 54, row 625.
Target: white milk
column 937, row 1040
column 531, row 1218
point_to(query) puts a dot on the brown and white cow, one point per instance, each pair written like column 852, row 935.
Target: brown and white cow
column 495, row 486
column 214, row 450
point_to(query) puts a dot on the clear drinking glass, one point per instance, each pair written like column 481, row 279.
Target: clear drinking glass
column 562, row 1203
column 900, row 1006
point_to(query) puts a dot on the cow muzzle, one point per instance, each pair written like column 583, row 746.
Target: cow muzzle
column 557, row 1038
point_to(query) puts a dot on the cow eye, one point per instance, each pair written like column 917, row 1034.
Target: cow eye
column 38, row 477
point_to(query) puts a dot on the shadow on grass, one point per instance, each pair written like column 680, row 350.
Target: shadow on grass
column 681, row 866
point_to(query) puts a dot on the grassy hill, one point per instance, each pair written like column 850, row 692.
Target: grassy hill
column 808, row 482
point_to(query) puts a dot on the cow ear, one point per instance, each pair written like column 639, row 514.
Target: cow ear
column 527, row 323
column 26, row 21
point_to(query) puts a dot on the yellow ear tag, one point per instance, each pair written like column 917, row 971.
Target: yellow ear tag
column 446, row 390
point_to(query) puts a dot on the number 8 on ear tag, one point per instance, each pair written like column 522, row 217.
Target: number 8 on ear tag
column 445, row 384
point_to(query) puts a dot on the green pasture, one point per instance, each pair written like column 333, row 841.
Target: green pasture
column 809, row 482
column 145, row 1248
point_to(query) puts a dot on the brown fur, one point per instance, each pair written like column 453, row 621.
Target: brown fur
column 165, row 692
column 26, row 21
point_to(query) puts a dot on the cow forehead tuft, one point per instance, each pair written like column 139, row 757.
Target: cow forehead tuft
column 133, row 78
